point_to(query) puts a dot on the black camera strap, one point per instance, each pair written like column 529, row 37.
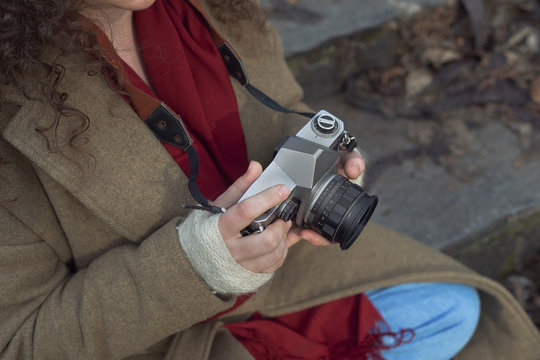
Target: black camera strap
column 169, row 128
column 236, row 67
column 236, row 70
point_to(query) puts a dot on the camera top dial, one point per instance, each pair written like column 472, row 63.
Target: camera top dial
column 325, row 125
column 324, row 129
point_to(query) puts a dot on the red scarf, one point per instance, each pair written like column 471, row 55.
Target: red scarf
column 348, row 328
column 188, row 74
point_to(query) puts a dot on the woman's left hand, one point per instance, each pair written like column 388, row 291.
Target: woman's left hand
column 351, row 166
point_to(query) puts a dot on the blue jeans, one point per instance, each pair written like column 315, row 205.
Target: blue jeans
column 442, row 315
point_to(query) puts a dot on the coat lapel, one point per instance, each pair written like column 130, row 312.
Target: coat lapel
column 118, row 169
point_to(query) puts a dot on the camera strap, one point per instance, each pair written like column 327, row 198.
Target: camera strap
column 235, row 66
column 169, row 128
column 236, row 70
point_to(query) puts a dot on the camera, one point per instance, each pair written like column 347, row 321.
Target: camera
column 320, row 198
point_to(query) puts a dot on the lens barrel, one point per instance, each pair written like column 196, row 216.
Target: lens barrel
column 341, row 211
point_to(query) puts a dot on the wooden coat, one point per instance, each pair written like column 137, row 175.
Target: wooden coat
column 90, row 263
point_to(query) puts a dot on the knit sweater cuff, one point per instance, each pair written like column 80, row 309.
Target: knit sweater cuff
column 202, row 242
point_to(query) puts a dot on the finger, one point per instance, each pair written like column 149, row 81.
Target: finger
column 256, row 245
column 298, row 233
column 314, row 238
column 240, row 215
column 240, row 186
column 293, row 236
column 352, row 164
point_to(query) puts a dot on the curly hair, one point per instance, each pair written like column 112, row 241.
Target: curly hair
column 27, row 27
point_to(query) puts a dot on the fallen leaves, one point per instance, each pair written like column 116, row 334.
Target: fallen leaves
column 449, row 58
column 524, row 284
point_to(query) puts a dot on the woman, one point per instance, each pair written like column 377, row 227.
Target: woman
column 98, row 260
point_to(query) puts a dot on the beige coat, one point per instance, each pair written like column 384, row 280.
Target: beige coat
column 90, row 263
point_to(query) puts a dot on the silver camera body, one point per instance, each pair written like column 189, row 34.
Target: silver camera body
column 320, row 199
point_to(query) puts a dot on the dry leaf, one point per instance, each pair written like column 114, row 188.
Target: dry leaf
column 439, row 56
column 392, row 73
column 418, row 80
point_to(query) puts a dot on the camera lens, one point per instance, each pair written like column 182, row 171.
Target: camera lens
column 340, row 211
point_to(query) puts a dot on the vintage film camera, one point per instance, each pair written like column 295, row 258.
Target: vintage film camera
column 320, row 199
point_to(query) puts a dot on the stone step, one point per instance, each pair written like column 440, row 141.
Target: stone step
column 307, row 24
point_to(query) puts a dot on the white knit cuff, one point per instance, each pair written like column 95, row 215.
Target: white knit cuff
column 202, row 242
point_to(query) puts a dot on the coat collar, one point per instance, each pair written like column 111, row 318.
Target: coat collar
column 121, row 172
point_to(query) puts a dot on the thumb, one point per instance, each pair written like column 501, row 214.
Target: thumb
column 240, row 186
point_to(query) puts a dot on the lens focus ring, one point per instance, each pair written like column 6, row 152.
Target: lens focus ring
column 341, row 211
column 322, row 214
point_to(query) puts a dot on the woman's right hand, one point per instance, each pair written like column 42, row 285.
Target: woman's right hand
column 263, row 252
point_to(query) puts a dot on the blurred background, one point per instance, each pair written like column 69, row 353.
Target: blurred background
column 444, row 99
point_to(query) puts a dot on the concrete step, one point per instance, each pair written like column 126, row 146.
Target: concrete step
column 307, row 24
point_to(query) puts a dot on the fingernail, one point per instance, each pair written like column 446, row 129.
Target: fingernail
column 283, row 191
column 250, row 166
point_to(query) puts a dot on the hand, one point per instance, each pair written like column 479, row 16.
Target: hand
column 351, row 165
column 264, row 252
